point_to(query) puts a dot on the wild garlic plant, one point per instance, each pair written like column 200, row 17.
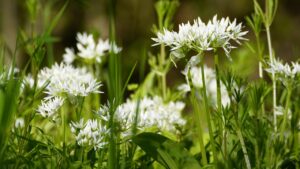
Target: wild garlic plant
column 84, row 111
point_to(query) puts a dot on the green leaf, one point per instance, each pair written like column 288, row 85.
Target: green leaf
column 56, row 19
column 167, row 152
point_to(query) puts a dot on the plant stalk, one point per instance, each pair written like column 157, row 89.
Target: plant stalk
column 163, row 77
column 207, row 111
column 239, row 133
column 271, row 57
column 286, row 111
column 197, row 115
column 219, row 104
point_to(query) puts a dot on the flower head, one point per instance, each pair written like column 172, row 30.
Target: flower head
column 65, row 79
column 285, row 72
column 89, row 49
column 152, row 112
column 203, row 37
column 90, row 134
column 49, row 107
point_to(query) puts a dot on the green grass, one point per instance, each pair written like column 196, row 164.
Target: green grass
column 246, row 133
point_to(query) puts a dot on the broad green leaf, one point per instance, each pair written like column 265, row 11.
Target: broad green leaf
column 167, row 152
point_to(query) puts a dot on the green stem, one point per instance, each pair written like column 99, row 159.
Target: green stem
column 63, row 121
column 163, row 77
column 260, row 56
column 212, row 140
column 219, row 105
column 256, row 146
column 286, row 110
column 271, row 58
column 198, row 116
column 240, row 136
column 115, row 88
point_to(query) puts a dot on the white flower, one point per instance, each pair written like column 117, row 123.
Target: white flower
column 49, row 107
column 19, row 123
column 285, row 72
column 210, row 80
column 65, row 79
column 203, row 37
column 279, row 111
column 152, row 112
column 91, row 134
column 89, row 49
column 69, row 56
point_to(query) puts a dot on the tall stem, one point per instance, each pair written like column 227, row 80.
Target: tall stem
column 286, row 110
column 63, row 121
column 212, row 140
column 115, row 89
column 239, row 133
column 219, row 103
column 163, row 77
column 198, row 116
column 260, row 56
column 271, row 57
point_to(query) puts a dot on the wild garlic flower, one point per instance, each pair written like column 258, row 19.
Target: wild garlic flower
column 89, row 134
column 90, row 50
column 279, row 111
column 65, row 79
column 203, row 37
column 152, row 112
column 211, row 84
column 49, row 107
column 69, row 55
column 284, row 72
column 19, row 123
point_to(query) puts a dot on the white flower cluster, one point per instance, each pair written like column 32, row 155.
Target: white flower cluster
column 65, row 79
column 211, row 84
column 90, row 134
column 279, row 111
column 284, row 71
column 89, row 49
column 152, row 112
column 50, row 106
column 203, row 37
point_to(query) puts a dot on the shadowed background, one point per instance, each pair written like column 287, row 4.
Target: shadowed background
column 134, row 22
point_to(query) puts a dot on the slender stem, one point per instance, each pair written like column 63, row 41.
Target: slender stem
column 114, row 93
column 241, row 138
column 219, row 101
column 163, row 77
column 256, row 146
column 212, row 140
column 260, row 66
column 63, row 121
column 286, row 110
column 239, row 133
column 198, row 116
column 271, row 57
column 219, row 104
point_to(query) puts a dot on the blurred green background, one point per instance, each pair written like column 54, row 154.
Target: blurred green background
column 134, row 22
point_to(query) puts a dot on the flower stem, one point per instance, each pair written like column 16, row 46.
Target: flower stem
column 212, row 140
column 240, row 136
column 286, row 110
column 198, row 124
column 219, row 103
column 163, row 76
column 271, row 57
column 63, row 121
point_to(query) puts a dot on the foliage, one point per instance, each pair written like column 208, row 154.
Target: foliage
column 58, row 117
